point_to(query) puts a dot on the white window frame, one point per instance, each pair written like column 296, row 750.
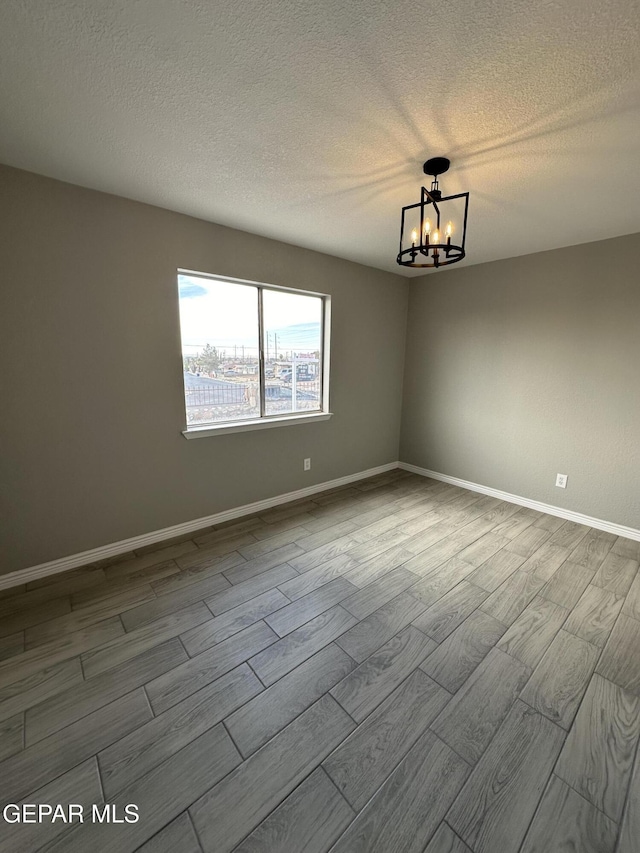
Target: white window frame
column 269, row 421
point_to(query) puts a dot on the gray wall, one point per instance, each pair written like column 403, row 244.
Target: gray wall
column 91, row 387
column 519, row 369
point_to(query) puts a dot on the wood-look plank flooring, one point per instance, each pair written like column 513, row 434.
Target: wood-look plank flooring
column 396, row 665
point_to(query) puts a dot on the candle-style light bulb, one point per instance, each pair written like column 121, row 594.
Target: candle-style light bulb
column 436, row 236
column 414, row 236
column 427, row 227
column 449, row 229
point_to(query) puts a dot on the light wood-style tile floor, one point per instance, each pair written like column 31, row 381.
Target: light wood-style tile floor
column 398, row 665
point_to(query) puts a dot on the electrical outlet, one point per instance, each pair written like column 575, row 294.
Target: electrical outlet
column 561, row 480
column 307, row 464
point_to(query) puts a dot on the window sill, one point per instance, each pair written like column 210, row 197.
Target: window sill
column 262, row 423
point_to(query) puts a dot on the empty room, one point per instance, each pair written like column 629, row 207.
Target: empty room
column 320, row 427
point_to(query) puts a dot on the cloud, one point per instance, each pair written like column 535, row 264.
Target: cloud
column 189, row 289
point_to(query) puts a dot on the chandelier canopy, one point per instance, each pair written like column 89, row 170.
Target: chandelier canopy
column 433, row 231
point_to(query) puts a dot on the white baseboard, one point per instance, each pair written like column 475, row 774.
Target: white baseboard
column 568, row 514
column 54, row 567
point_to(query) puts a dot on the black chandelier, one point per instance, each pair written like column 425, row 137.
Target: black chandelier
column 433, row 231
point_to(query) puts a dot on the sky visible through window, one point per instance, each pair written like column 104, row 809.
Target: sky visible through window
column 215, row 312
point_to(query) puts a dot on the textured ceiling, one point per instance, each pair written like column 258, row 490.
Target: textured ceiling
column 309, row 121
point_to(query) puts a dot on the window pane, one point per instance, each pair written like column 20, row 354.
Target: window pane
column 292, row 352
column 219, row 325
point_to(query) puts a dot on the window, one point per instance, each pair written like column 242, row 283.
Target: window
column 253, row 355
